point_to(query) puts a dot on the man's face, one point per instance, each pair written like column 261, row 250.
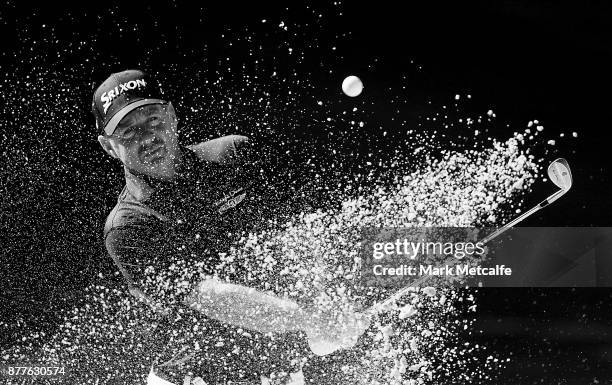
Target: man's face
column 146, row 141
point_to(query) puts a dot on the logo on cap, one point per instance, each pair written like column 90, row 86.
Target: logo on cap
column 108, row 96
column 121, row 93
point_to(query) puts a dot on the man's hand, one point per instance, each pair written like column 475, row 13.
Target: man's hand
column 331, row 332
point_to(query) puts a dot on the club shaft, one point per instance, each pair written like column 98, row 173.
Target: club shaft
column 510, row 224
column 522, row 217
column 378, row 307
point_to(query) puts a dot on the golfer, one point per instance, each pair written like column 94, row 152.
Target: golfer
column 180, row 207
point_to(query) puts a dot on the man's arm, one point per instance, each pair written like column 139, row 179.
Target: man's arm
column 246, row 156
column 134, row 247
column 251, row 309
column 226, row 150
column 247, row 307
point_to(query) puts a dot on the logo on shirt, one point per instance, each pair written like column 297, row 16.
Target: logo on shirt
column 230, row 201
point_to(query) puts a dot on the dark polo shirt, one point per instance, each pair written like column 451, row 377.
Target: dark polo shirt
column 217, row 195
column 165, row 236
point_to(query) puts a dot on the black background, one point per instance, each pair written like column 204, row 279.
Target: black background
column 544, row 60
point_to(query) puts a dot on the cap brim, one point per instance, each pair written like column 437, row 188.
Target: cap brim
column 112, row 124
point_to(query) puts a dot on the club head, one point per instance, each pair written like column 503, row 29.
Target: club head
column 560, row 174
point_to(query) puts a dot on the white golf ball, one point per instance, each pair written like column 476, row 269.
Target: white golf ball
column 352, row 86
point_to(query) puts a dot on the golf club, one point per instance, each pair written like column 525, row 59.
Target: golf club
column 558, row 172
